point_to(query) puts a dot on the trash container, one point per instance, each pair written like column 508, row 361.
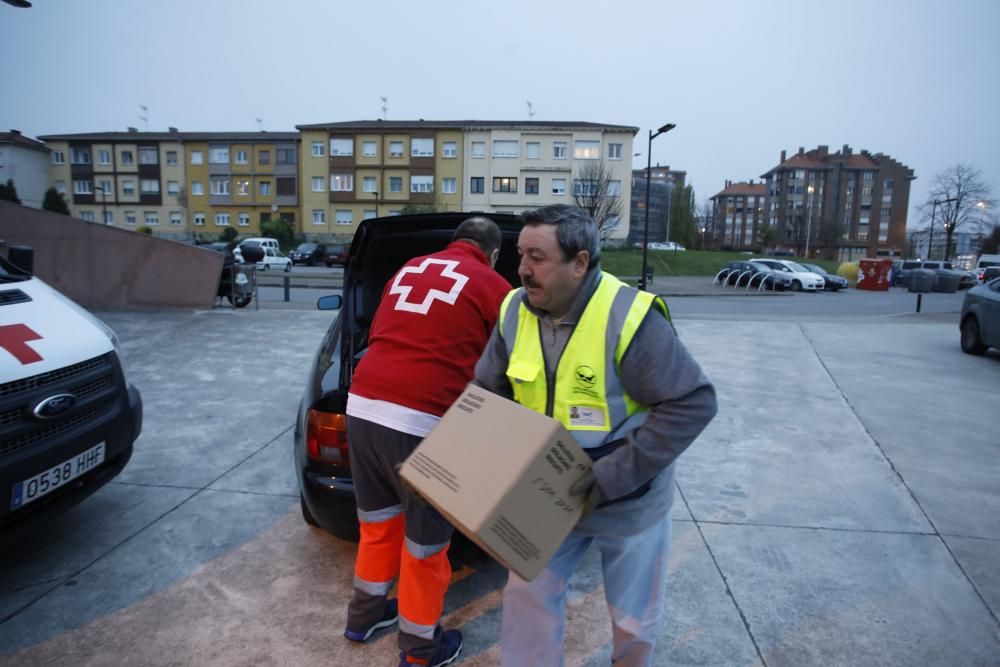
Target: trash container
column 873, row 274
column 921, row 280
column 947, row 281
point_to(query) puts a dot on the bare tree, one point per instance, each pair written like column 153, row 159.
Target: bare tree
column 969, row 197
column 596, row 191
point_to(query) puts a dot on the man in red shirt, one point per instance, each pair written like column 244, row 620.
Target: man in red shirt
column 433, row 322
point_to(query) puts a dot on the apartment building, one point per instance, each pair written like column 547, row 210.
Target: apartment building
column 738, row 214
column 355, row 170
column 842, row 205
column 25, row 162
column 662, row 182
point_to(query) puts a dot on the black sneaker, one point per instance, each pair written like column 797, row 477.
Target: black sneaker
column 447, row 651
column 390, row 618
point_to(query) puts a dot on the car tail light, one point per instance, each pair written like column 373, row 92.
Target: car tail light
column 326, row 436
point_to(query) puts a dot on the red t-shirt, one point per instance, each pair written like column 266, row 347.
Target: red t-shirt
column 433, row 322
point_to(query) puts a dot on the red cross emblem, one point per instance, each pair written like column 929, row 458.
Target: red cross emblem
column 439, row 281
column 14, row 338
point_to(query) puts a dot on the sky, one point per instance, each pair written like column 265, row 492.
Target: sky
column 915, row 79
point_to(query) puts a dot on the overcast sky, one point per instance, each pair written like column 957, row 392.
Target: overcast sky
column 916, row 79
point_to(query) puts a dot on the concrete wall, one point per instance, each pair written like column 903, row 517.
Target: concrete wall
column 102, row 267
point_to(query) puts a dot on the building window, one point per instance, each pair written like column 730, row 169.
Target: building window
column 341, row 182
column 395, row 184
column 318, row 149
column 559, row 186
column 368, row 184
column 173, row 187
column 885, row 214
column 504, row 184
column 171, row 158
column 558, row 150
column 343, row 217
column 422, row 147
column 79, row 156
column 448, row 186
column 587, row 150
column 151, row 218
column 243, row 220
column 477, row 184
column 341, row 147
column 241, row 157
column 148, row 156
column 369, row 149
column 104, row 187
column 421, row 184
column 109, row 217
column 220, row 186
column 887, row 184
column 395, row 149
column 584, row 187
column 199, row 219
column 196, row 157
column 264, row 157
column 128, row 188
column 284, row 155
column 285, row 186
column 614, row 188
column 368, row 214
column 103, row 157
column 87, row 216
column 531, row 186
column 218, row 156
column 243, row 186
column 869, row 176
column 319, row 216
column 197, row 188
column 83, row 188
column 504, row 148
column 614, row 151
column 221, row 219
column 317, row 183
column 449, row 149
column 61, row 187
column 533, row 150
column 58, row 157
column 175, row 218
column 265, row 188
column 478, row 149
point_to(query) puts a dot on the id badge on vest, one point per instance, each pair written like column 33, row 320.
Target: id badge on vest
column 583, row 416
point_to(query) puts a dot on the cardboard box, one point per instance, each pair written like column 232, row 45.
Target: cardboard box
column 501, row 473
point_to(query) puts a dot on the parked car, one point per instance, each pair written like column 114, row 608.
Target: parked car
column 745, row 274
column 830, row 281
column 273, row 259
column 966, row 279
column 336, row 255
column 989, row 273
column 903, row 272
column 802, row 279
column 254, row 241
column 381, row 246
column 665, row 245
column 979, row 323
column 308, row 253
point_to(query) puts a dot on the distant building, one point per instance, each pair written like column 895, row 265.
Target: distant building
column 842, row 205
column 662, row 182
column 738, row 214
column 26, row 162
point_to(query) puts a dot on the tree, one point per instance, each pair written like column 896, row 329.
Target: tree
column 414, row 209
column 55, row 202
column 228, row 235
column 144, row 229
column 991, row 241
column 766, row 236
column 595, row 191
column 8, row 192
column 970, row 195
column 683, row 219
column 281, row 228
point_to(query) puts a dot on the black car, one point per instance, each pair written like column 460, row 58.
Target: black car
column 381, row 246
column 308, row 253
column 832, row 283
column 336, row 255
column 751, row 276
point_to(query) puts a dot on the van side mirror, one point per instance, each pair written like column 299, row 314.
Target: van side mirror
column 330, row 302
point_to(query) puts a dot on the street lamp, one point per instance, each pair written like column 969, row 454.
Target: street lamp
column 375, row 196
column 645, row 227
column 930, row 234
column 703, row 230
column 809, row 218
column 104, row 204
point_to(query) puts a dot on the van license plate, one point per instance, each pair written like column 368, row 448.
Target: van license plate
column 55, row 477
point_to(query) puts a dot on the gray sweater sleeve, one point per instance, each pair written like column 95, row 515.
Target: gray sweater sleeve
column 659, row 373
column 491, row 369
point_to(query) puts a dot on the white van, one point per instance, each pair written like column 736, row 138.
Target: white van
column 984, row 262
column 68, row 416
column 261, row 241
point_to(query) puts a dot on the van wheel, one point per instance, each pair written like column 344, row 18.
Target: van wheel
column 971, row 343
column 264, row 268
column 306, row 514
column 796, row 286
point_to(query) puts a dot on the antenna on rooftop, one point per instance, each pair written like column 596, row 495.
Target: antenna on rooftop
column 385, row 107
column 531, row 110
column 144, row 116
column 260, row 124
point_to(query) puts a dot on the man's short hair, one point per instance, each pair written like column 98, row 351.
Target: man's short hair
column 482, row 231
column 575, row 230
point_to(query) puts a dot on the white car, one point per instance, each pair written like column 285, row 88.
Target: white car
column 273, row 259
column 802, row 278
column 664, row 245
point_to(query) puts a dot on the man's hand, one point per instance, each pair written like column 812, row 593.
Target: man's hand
column 583, row 485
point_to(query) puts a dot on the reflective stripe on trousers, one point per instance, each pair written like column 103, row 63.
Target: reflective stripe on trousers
column 635, row 574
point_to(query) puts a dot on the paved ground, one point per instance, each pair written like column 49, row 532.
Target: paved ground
column 842, row 509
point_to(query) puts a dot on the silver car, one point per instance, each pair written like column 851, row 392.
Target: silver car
column 980, row 321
